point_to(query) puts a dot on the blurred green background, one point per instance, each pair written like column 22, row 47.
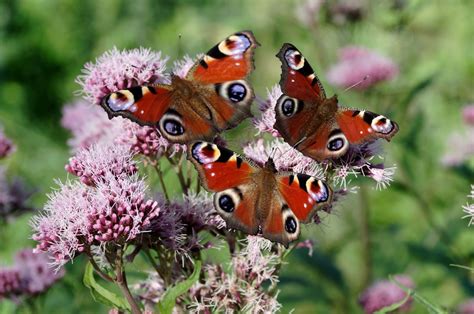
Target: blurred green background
column 413, row 227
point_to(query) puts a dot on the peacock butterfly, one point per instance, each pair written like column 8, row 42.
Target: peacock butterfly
column 315, row 125
column 214, row 96
column 258, row 200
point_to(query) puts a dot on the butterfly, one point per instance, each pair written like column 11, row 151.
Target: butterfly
column 214, row 96
column 258, row 200
column 314, row 124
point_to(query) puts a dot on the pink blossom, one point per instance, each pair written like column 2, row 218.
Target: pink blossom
column 460, row 147
column 265, row 122
column 307, row 12
column 469, row 207
column 6, row 145
column 182, row 67
column 468, row 114
column 91, row 164
column 467, row 307
column 29, row 276
column 90, row 125
column 285, row 157
column 361, row 68
column 242, row 289
column 115, row 70
column 385, row 293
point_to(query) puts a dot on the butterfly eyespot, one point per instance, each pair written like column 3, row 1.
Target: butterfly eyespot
column 291, row 226
column 382, row 125
column 121, row 100
column 336, row 144
column 288, row 106
column 226, row 203
column 236, row 92
column 173, row 127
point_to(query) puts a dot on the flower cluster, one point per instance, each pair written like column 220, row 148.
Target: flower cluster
column 385, row 293
column 361, row 68
column 242, row 289
column 108, row 204
column 29, row 276
column 467, row 307
column 6, row 145
column 116, row 70
column 13, row 197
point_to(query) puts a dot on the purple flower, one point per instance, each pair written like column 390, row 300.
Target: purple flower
column 91, row 164
column 361, row 68
column 467, row 307
column 469, row 207
column 29, row 276
column 468, row 114
column 115, row 70
column 182, row 67
column 6, row 145
column 460, row 147
column 344, row 11
column 385, row 293
column 267, row 119
column 13, row 198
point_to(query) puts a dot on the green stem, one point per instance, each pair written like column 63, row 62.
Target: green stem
column 121, row 281
column 162, row 181
column 365, row 236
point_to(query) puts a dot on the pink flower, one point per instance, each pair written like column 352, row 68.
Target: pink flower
column 468, row 114
column 242, row 289
column 91, row 164
column 13, row 198
column 90, row 125
column 307, row 12
column 469, row 207
column 29, row 276
column 6, row 145
column 361, row 66
column 467, row 307
column 115, row 70
column 267, row 119
column 182, row 67
column 460, row 147
column 385, row 293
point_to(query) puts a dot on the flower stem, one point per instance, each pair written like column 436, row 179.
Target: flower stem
column 365, row 235
column 162, row 181
column 121, row 281
column 179, row 172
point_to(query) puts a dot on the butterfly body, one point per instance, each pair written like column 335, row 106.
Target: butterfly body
column 214, row 96
column 316, row 125
column 258, row 200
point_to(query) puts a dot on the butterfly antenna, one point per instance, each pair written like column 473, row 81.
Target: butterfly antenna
column 358, row 83
column 180, row 47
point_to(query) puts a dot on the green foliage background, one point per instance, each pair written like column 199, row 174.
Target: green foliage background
column 413, row 227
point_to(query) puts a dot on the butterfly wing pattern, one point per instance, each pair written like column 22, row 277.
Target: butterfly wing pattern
column 214, row 96
column 258, row 200
column 316, row 125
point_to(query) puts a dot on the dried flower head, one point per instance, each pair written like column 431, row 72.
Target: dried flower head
column 242, row 289
column 115, row 70
column 385, row 293
column 361, row 68
column 13, row 197
column 6, row 145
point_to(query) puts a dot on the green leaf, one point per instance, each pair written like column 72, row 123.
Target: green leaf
column 429, row 306
column 167, row 303
column 101, row 294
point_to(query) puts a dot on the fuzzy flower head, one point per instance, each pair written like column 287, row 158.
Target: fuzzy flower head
column 90, row 125
column 284, row 156
column 469, row 207
column 308, row 12
column 182, row 67
column 6, row 145
column 460, row 144
column 29, row 276
column 385, row 293
column 91, row 164
column 467, row 307
column 468, row 114
column 14, row 197
column 361, row 68
column 115, row 70
column 267, row 119
column 241, row 290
